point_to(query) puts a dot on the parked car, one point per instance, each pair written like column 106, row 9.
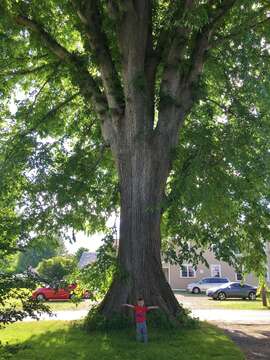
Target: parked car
column 62, row 293
column 233, row 290
column 205, row 284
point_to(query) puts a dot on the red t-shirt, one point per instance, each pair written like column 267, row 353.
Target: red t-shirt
column 140, row 312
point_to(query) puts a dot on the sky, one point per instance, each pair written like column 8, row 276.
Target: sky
column 82, row 240
column 92, row 242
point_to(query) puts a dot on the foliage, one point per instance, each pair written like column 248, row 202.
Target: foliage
column 15, row 290
column 97, row 276
column 218, row 195
column 95, row 321
column 37, row 252
column 18, row 289
column 155, row 319
column 54, row 157
column 56, row 269
column 79, row 253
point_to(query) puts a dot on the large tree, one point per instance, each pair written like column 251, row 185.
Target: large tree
column 134, row 69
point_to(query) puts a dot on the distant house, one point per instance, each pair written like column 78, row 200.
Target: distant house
column 86, row 259
column 180, row 276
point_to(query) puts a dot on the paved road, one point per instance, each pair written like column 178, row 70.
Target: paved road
column 217, row 315
column 233, row 316
column 63, row 315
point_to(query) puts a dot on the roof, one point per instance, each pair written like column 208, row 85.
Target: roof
column 87, row 258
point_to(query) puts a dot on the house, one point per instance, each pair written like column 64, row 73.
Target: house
column 86, row 259
column 180, row 276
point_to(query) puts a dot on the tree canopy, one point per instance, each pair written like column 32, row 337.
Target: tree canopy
column 56, row 269
column 36, row 252
column 52, row 148
column 194, row 73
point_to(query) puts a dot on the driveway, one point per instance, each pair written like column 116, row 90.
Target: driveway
column 233, row 316
column 223, row 316
column 62, row 315
column 200, row 306
column 206, row 310
column 252, row 339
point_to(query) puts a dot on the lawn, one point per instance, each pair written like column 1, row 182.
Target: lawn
column 58, row 305
column 55, row 340
column 68, row 305
column 239, row 304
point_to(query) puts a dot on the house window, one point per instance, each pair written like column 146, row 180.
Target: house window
column 187, row 271
column 216, row 270
column 238, row 276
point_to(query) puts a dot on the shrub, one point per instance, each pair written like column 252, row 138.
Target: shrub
column 15, row 301
column 55, row 269
column 97, row 321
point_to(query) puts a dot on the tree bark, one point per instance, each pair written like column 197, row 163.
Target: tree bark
column 264, row 296
column 143, row 166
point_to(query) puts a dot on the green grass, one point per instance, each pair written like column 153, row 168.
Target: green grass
column 55, row 340
column 57, row 305
column 238, row 304
column 189, row 294
column 68, row 305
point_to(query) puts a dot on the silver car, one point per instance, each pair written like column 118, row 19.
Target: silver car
column 233, row 290
column 205, row 284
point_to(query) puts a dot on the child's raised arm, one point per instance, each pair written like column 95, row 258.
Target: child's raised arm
column 152, row 307
column 128, row 305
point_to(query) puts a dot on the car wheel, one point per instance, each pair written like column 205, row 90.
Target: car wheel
column 222, row 296
column 196, row 290
column 252, row 295
column 41, row 297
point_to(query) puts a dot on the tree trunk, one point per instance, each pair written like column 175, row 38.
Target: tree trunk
column 143, row 166
column 264, row 297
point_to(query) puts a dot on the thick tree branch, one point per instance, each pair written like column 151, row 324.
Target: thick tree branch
column 80, row 74
column 51, row 43
column 83, row 79
column 202, row 41
column 114, row 9
column 28, row 71
column 89, row 13
column 176, row 94
column 173, row 52
column 166, row 48
column 133, row 36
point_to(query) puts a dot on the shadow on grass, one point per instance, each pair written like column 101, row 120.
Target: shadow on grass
column 65, row 341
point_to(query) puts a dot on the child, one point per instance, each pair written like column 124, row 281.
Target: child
column 140, row 318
